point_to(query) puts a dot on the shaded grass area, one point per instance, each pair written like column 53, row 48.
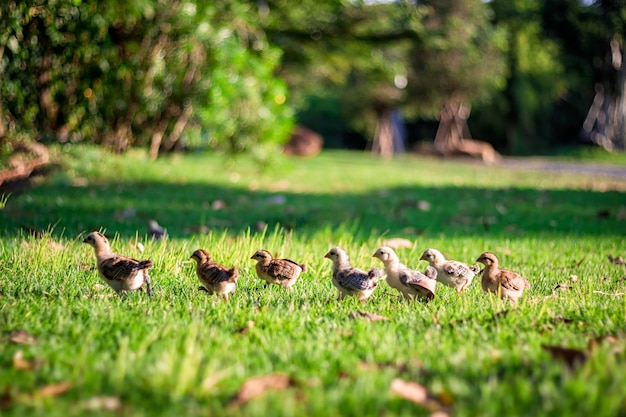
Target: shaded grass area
column 411, row 196
column 184, row 353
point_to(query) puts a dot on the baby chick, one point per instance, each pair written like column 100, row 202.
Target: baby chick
column 120, row 272
column 216, row 279
column 454, row 274
column 411, row 283
column 349, row 280
column 283, row 272
column 507, row 284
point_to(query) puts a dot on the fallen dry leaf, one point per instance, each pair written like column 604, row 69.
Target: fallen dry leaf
column 597, row 341
column 397, row 243
column 52, row 390
column 102, row 403
column 409, row 390
column 367, row 316
column 571, row 357
column 416, row 393
column 579, row 263
column 249, row 325
column 22, row 337
column 257, row 386
column 617, row 261
column 22, row 364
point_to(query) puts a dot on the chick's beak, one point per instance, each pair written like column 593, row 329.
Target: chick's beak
column 327, row 255
column 422, row 258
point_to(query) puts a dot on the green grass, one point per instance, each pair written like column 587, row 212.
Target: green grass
column 183, row 352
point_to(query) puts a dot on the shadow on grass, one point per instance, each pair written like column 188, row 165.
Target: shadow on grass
column 186, row 209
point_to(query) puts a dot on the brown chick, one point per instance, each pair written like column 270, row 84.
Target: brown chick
column 283, row 272
column 409, row 282
column 506, row 284
column 216, row 279
column 454, row 274
column 120, row 272
column 351, row 281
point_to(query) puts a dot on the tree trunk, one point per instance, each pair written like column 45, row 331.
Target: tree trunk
column 452, row 127
column 605, row 123
column 383, row 138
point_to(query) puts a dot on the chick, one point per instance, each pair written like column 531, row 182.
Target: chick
column 454, row 274
column 120, row 272
column 506, row 284
column 283, row 272
column 216, row 279
column 411, row 283
column 352, row 281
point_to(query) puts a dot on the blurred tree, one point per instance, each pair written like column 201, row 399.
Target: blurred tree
column 419, row 57
column 536, row 80
column 458, row 63
column 592, row 33
column 137, row 73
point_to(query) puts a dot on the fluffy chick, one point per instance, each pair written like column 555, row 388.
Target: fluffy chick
column 215, row 278
column 503, row 282
column 283, row 272
column 351, row 281
column 454, row 274
column 120, row 272
column 410, row 283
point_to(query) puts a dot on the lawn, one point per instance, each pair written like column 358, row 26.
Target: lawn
column 85, row 351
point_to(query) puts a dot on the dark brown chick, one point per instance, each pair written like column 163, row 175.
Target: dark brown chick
column 283, row 272
column 503, row 282
column 215, row 278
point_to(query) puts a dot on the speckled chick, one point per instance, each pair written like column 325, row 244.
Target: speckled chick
column 507, row 284
column 283, row 272
column 410, row 283
column 351, row 281
column 120, row 272
column 215, row 278
column 454, row 274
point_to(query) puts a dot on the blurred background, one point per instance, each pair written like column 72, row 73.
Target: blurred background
column 446, row 77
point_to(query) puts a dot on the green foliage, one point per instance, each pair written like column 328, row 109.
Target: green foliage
column 460, row 57
column 186, row 353
column 126, row 73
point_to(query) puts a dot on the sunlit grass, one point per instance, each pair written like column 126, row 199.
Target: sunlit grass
column 185, row 353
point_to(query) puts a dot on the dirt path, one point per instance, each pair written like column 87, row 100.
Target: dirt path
column 596, row 170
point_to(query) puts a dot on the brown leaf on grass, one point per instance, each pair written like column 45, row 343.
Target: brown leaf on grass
column 244, row 330
column 597, row 341
column 34, row 232
column 579, row 263
column 571, row 357
column 22, row 337
column 52, row 390
column 617, row 261
column 257, row 386
column 409, row 390
column 102, row 403
column 367, row 316
column 416, row 393
column 561, row 288
column 22, row 364
column 397, row 243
